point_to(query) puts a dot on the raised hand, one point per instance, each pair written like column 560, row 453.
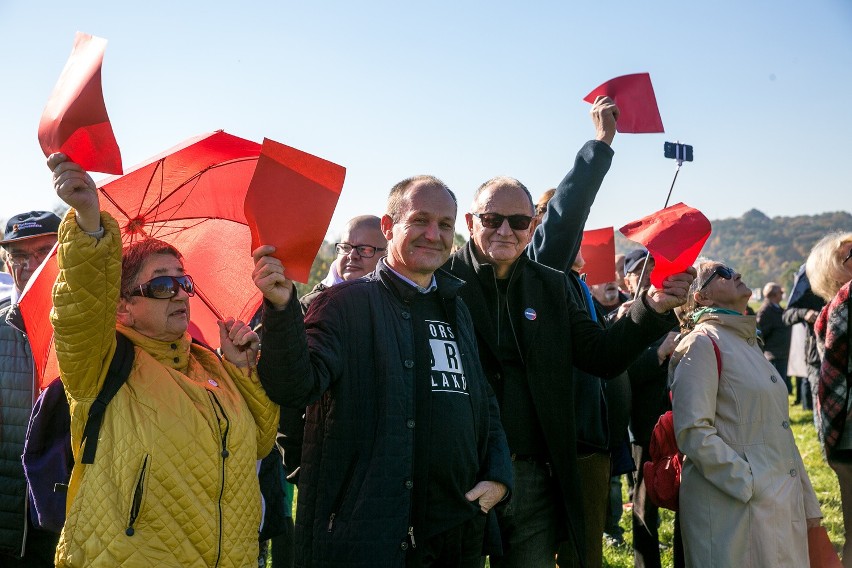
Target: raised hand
column 76, row 188
column 268, row 276
column 604, row 115
column 673, row 293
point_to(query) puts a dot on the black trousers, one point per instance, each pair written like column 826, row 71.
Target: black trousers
column 459, row 547
column 646, row 516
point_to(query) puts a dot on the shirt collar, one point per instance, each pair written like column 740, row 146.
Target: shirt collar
column 333, row 277
column 433, row 285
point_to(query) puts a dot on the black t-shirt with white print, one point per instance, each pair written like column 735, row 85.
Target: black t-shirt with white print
column 453, row 460
column 446, row 457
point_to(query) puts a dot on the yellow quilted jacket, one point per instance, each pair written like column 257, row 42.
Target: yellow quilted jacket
column 174, row 480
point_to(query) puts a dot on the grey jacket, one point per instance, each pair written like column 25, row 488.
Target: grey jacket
column 17, row 393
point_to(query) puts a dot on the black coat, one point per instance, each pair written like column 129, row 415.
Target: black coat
column 351, row 361
column 774, row 332
column 560, row 336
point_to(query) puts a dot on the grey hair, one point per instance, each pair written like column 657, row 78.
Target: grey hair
column 503, row 181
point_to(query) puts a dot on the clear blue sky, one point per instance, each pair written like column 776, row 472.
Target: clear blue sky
column 464, row 90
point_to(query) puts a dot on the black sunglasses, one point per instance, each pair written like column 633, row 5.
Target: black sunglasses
column 848, row 256
column 165, row 287
column 495, row 221
column 364, row 251
column 721, row 271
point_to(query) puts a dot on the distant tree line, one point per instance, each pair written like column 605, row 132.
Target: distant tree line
column 764, row 249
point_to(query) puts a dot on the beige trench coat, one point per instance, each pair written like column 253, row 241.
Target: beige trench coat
column 744, row 495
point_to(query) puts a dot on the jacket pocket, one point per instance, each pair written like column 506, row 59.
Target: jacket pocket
column 341, row 493
column 138, row 496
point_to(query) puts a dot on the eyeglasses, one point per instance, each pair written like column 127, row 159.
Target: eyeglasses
column 165, row 287
column 721, row 271
column 848, row 256
column 364, row 251
column 20, row 259
column 495, row 221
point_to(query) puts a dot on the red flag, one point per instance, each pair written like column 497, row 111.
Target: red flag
column 598, row 249
column 674, row 237
column 635, row 98
column 35, row 305
column 75, row 119
column 289, row 204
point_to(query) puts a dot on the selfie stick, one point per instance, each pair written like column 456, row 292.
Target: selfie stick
column 679, row 156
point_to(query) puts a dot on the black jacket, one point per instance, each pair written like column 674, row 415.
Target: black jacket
column 352, row 361
column 560, row 336
column 650, row 393
column 774, row 332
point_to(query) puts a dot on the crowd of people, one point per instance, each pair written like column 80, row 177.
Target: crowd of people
column 435, row 405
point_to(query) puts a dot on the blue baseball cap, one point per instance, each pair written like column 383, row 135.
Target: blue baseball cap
column 31, row 224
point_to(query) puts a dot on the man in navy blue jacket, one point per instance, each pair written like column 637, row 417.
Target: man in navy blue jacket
column 404, row 456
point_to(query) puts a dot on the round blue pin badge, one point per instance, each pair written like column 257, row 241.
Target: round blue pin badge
column 530, row 314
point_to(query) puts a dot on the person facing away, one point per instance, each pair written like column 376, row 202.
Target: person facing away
column 774, row 332
column 27, row 241
column 531, row 333
column 745, row 496
column 404, row 456
column 803, row 307
column 174, row 480
column 361, row 246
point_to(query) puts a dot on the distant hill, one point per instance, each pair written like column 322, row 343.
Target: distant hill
column 764, row 249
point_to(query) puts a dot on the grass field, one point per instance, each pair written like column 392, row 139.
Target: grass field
column 822, row 478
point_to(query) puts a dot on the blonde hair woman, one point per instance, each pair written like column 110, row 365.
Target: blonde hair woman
column 829, row 268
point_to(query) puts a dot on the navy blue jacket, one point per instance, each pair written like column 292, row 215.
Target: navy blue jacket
column 351, row 360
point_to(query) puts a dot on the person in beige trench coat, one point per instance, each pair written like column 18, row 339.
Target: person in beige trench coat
column 745, row 497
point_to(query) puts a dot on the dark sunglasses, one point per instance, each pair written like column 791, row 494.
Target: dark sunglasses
column 165, row 287
column 721, row 271
column 848, row 256
column 495, row 221
column 364, row 251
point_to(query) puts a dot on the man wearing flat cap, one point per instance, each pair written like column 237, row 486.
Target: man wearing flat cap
column 27, row 241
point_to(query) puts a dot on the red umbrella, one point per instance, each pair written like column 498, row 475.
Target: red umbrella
column 191, row 196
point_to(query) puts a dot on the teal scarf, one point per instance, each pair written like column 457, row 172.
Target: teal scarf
column 697, row 315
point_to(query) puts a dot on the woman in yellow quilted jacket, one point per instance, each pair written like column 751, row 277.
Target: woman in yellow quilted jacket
column 174, row 481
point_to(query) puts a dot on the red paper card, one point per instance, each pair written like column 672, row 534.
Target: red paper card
column 598, row 248
column 35, row 305
column 289, row 204
column 636, row 102
column 674, row 237
column 75, row 120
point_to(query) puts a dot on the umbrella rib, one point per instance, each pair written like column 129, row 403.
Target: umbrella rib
column 196, row 177
column 159, row 168
column 175, row 229
column 116, row 205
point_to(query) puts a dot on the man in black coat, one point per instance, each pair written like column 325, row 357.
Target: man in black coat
column 531, row 333
column 404, row 455
column 774, row 332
